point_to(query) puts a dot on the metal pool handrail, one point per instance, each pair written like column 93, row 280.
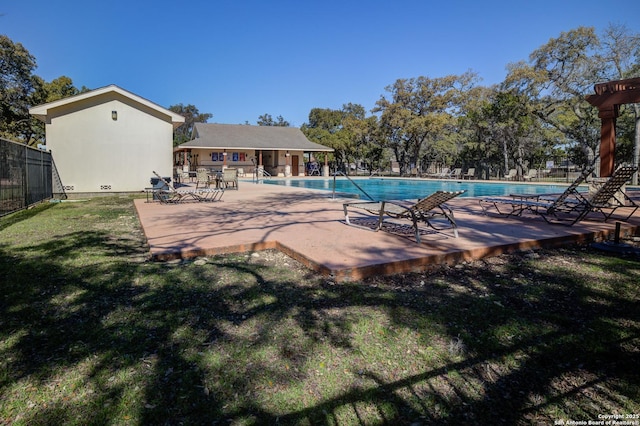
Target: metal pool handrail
column 352, row 181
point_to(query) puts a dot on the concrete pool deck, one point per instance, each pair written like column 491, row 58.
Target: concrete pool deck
column 309, row 226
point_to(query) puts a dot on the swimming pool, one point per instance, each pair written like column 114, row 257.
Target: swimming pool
column 406, row 189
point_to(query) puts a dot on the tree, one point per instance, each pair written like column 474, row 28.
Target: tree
column 419, row 113
column 518, row 130
column 325, row 127
column 16, row 86
column 60, row 88
column 267, row 120
column 346, row 130
column 354, row 135
column 364, row 136
column 20, row 89
column 191, row 116
column 572, row 67
column 481, row 132
column 563, row 71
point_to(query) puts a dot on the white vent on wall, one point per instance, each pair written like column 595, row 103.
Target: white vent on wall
column 105, row 187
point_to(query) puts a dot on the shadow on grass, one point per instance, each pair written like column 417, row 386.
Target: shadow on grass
column 13, row 218
column 560, row 345
column 89, row 335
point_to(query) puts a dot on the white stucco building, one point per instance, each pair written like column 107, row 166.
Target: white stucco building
column 108, row 140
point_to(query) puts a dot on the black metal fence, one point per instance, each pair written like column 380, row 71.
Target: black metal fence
column 25, row 176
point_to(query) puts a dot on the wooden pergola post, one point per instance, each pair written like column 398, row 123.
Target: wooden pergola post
column 607, row 139
column 608, row 98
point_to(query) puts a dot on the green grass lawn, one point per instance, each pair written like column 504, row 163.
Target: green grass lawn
column 91, row 332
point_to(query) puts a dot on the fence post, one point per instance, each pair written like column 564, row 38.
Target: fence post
column 25, row 176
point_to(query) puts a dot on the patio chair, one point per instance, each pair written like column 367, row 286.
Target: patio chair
column 424, row 211
column 442, row 174
column 516, row 204
column 530, row 175
column 570, row 196
column 314, row 169
column 513, row 173
column 456, row 173
column 471, row 173
column 229, row 178
column 202, row 178
column 171, row 195
column 606, row 200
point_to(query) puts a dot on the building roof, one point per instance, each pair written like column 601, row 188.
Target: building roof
column 238, row 136
column 42, row 111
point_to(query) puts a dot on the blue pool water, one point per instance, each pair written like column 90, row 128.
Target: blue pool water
column 406, row 189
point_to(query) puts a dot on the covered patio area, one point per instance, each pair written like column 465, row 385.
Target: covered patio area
column 270, row 150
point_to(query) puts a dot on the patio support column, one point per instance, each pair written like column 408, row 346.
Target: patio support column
column 608, row 98
column 260, row 166
column 607, row 140
column 325, row 168
column 287, row 167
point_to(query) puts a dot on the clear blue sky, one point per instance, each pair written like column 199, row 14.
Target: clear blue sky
column 239, row 59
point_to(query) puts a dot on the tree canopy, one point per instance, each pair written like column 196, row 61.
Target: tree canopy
column 17, row 85
column 191, row 116
column 267, row 120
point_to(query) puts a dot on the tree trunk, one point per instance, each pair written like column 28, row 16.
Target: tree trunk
column 505, row 152
column 520, row 166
